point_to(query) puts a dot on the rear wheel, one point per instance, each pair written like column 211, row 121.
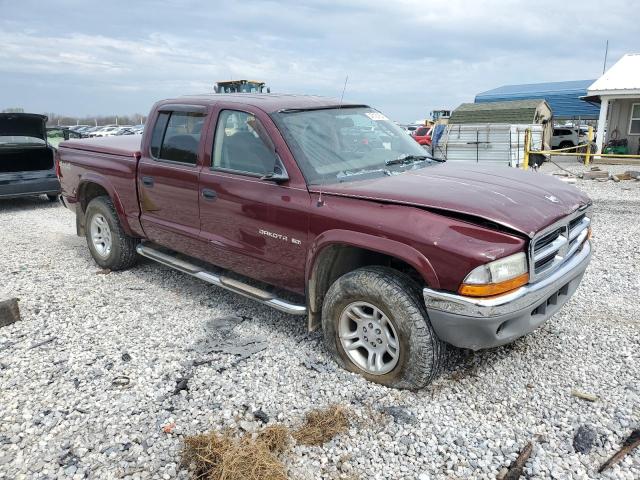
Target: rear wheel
column 110, row 247
column 375, row 324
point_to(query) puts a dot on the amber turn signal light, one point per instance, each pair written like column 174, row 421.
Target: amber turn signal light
column 492, row 289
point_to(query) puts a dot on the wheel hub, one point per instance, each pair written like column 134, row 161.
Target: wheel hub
column 100, row 235
column 369, row 338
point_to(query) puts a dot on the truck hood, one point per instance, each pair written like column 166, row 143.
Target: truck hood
column 524, row 201
column 23, row 125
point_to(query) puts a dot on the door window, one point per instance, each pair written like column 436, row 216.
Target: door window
column 176, row 136
column 242, row 145
column 634, row 125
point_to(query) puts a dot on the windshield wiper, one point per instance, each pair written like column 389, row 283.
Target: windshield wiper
column 353, row 173
column 407, row 159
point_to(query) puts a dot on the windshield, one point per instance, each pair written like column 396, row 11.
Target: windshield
column 20, row 140
column 345, row 144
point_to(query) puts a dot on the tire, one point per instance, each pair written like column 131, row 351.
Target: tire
column 566, row 145
column 52, row 198
column 112, row 249
column 420, row 354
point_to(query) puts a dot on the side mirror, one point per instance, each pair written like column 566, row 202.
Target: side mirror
column 279, row 174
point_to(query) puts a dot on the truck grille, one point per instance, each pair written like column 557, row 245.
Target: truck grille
column 557, row 243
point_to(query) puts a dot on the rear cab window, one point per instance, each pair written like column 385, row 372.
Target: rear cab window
column 176, row 136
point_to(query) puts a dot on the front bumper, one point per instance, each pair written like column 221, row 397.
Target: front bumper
column 478, row 323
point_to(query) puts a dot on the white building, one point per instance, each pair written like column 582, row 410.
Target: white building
column 618, row 91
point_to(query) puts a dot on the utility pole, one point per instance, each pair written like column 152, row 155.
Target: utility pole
column 606, row 52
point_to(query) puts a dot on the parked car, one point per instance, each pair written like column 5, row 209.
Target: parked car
column 411, row 128
column 55, row 135
column 422, row 135
column 392, row 253
column 27, row 165
column 104, row 131
column 79, row 128
column 565, row 137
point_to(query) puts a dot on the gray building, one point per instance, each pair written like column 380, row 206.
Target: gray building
column 618, row 92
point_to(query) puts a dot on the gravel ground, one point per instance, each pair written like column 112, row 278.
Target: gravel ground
column 87, row 379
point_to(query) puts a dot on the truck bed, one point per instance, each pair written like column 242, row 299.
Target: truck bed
column 125, row 145
column 110, row 162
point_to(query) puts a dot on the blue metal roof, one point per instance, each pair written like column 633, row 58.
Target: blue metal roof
column 562, row 97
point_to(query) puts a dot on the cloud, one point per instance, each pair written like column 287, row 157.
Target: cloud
column 404, row 57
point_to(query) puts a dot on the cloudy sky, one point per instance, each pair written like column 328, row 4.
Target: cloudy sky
column 404, row 57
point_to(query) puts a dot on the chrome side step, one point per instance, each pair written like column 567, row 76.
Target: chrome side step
column 227, row 283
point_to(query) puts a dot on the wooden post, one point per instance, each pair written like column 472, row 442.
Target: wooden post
column 527, row 145
column 587, row 157
column 9, row 311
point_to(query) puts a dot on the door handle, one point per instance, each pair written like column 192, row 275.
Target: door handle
column 209, row 194
column 148, row 181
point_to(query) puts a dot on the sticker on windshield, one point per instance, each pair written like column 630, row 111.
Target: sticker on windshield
column 376, row 116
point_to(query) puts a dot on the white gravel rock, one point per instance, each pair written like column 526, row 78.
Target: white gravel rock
column 92, row 401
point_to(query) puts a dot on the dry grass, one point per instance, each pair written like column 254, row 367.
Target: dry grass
column 223, row 456
column 275, row 438
column 322, row 425
column 230, row 456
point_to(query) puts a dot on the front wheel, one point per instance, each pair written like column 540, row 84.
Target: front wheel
column 109, row 245
column 375, row 324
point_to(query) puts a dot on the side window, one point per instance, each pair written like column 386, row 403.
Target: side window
column 176, row 136
column 158, row 133
column 241, row 144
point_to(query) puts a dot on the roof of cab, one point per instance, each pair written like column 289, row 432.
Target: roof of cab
column 268, row 102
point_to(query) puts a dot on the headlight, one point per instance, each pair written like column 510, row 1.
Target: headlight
column 496, row 277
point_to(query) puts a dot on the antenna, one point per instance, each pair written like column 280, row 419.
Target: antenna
column 346, row 79
column 320, row 201
column 606, row 51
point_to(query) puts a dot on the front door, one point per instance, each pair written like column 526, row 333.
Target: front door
column 254, row 226
column 168, row 178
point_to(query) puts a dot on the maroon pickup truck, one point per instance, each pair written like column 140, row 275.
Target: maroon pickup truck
column 331, row 211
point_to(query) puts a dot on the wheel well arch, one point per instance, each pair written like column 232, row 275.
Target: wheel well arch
column 337, row 259
column 87, row 191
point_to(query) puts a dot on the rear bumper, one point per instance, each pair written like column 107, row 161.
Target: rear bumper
column 26, row 184
column 478, row 323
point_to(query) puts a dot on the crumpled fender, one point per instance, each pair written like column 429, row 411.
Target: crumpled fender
column 378, row 244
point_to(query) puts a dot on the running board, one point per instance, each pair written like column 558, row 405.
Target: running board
column 227, row 283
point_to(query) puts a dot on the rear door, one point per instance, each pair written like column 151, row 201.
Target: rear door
column 168, row 177
column 254, row 226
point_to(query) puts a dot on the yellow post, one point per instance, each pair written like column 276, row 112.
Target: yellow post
column 587, row 157
column 527, row 145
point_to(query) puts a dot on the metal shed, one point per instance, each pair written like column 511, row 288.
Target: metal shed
column 516, row 112
column 563, row 97
column 493, row 133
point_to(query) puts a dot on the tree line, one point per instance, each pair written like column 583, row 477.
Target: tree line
column 55, row 119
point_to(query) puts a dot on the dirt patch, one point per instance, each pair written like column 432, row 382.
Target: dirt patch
column 322, row 425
